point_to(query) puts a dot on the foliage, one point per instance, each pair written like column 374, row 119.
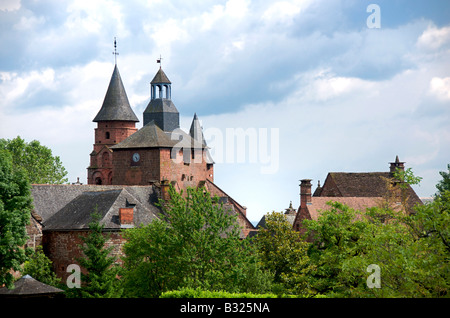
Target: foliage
column 195, row 244
column 37, row 160
column 335, row 238
column 283, row 253
column 411, row 251
column 199, row 293
column 444, row 184
column 15, row 207
column 100, row 280
column 39, row 267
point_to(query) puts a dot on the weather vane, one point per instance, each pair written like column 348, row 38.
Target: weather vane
column 115, row 51
column 159, row 61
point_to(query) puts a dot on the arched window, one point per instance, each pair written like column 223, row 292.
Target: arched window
column 107, row 135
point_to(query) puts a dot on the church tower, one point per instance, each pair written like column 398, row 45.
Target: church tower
column 160, row 152
column 116, row 121
column 161, row 109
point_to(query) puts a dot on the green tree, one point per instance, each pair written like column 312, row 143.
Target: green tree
column 39, row 266
column 283, row 253
column 37, row 160
column 15, row 207
column 195, row 244
column 100, row 280
column 335, row 234
column 444, row 184
column 410, row 250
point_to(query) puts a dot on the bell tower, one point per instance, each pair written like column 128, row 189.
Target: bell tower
column 116, row 121
column 161, row 109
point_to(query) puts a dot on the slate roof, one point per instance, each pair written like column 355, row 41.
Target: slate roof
column 27, row 286
column 151, row 136
column 116, row 105
column 362, row 184
column 69, row 207
column 160, row 77
column 160, row 105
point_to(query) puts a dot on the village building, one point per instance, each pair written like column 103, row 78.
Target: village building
column 357, row 190
column 130, row 170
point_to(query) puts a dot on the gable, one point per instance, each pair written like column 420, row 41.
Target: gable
column 69, row 207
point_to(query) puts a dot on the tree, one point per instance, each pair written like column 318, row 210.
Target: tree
column 39, row 267
column 444, row 184
column 15, row 207
column 195, row 244
column 283, row 253
column 335, row 234
column 100, row 280
column 410, row 249
column 37, row 160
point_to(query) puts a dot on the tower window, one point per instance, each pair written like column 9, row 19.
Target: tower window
column 107, row 135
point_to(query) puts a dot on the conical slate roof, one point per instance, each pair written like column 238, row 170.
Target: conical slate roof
column 116, row 105
column 160, row 77
column 196, row 131
column 28, row 286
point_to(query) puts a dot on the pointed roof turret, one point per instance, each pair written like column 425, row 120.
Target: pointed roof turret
column 160, row 78
column 116, row 105
column 196, row 130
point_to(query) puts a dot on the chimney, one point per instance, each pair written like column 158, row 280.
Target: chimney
column 305, row 192
column 396, row 164
column 165, row 185
column 126, row 217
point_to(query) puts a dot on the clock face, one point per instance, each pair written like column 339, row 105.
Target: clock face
column 136, row 157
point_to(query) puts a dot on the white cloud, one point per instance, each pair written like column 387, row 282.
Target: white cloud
column 440, row 88
column 92, row 16
column 10, row 5
column 29, row 23
column 284, row 11
column 15, row 85
column 434, row 38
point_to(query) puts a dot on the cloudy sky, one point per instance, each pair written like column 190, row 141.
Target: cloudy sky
column 320, row 88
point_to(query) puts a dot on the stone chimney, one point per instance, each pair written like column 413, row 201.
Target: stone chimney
column 165, row 185
column 305, row 192
column 126, row 217
column 396, row 164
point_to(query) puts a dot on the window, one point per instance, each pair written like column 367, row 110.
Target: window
column 107, row 135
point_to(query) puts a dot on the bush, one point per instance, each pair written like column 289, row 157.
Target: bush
column 199, row 293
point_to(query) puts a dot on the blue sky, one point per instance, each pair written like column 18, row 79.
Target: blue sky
column 343, row 96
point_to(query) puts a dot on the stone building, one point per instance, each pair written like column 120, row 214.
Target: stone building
column 358, row 190
column 130, row 170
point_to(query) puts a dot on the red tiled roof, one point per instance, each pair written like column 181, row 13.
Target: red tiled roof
column 319, row 204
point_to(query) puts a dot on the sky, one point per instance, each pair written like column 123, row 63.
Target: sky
column 310, row 87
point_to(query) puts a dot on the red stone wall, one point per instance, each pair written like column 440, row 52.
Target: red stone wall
column 107, row 133
column 127, row 172
column 156, row 165
column 62, row 247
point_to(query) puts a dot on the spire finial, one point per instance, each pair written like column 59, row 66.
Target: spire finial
column 159, row 61
column 115, row 53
